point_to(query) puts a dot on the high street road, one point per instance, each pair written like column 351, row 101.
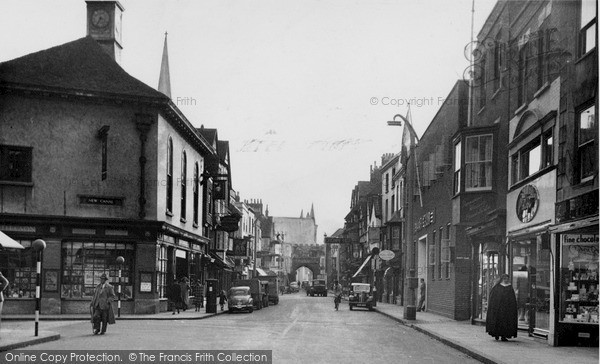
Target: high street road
column 300, row 329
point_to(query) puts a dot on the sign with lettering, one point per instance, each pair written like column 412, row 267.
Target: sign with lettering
column 99, row 200
column 386, row 255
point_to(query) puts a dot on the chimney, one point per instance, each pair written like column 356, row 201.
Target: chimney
column 104, row 25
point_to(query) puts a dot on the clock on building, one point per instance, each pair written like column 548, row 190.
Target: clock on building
column 100, row 18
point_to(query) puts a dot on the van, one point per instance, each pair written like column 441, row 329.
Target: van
column 256, row 290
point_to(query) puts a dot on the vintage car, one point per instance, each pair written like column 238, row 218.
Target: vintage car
column 294, row 287
column 361, row 295
column 318, row 288
column 240, row 299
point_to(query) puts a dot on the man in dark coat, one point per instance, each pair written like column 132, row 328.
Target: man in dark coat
column 174, row 295
column 101, row 305
column 501, row 319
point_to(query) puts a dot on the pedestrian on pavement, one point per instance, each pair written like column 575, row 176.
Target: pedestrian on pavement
column 337, row 294
column 422, row 289
column 502, row 315
column 101, row 305
column 184, row 283
column 222, row 299
column 198, row 291
column 3, row 284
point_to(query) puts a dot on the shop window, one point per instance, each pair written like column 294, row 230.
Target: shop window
column 169, row 199
column 587, row 34
column 579, row 278
column 478, row 162
column 84, row 263
column 19, row 267
column 15, row 163
column 488, row 274
column 586, row 148
column 161, row 270
column 457, row 164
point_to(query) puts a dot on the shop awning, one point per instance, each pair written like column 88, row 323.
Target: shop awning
column 362, row 266
column 9, row 243
column 219, row 262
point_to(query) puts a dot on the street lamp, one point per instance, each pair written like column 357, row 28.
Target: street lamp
column 38, row 246
column 120, row 261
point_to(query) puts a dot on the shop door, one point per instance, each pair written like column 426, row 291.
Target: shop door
column 531, row 281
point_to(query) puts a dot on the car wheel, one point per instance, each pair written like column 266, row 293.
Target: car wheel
column 251, row 310
column 350, row 307
column 325, row 294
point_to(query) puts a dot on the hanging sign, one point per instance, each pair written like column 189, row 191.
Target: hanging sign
column 386, row 255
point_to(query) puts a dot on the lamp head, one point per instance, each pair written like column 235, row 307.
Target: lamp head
column 395, row 122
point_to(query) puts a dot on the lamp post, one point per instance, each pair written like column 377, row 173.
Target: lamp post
column 411, row 139
column 38, row 246
column 120, row 261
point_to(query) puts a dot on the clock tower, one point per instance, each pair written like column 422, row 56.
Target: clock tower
column 104, row 25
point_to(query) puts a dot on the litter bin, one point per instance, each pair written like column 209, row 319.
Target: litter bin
column 410, row 312
column 211, row 296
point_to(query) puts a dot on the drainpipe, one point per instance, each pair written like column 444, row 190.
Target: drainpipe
column 143, row 122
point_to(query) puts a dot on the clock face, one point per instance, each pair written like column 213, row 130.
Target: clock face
column 100, row 18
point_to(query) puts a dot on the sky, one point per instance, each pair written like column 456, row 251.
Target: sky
column 302, row 89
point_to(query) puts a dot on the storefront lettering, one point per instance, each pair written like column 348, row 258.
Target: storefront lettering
column 569, row 239
column 21, row 229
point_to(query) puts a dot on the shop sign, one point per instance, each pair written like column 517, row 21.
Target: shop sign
column 528, row 202
column 240, row 247
column 16, row 228
column 425, row 220
column 386, row 255
column 570, row 239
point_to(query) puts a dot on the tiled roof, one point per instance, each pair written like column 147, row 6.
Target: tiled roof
column 209, row 134
column 78, row 66
column 222, row 149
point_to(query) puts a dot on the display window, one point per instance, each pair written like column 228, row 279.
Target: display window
column 579, row 278
column 19, row 267
column 488, row 274
column 84, row 263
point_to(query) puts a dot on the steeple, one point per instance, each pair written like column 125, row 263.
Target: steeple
column 267, row 211
column 302, row 214
column 164, row 80
column 312, row 211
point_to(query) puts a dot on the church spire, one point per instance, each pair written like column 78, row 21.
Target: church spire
column 312, row 211
column 302, row 214
column 164, row 80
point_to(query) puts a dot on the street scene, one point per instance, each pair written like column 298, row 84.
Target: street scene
column 283, row 181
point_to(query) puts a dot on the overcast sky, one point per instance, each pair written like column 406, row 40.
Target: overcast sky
column 301, row 89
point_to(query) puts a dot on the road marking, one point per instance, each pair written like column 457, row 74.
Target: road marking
column 289, row 326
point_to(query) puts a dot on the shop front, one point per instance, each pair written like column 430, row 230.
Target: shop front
column 79, row 251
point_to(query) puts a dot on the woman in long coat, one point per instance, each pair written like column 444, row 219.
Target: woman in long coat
column 185, row 292
column 501, row 319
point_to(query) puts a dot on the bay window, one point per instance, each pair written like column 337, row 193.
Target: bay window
column 478, row 162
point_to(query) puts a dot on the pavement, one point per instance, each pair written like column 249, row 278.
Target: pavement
column 475, row 342
column 11, row 339
column 461, row 335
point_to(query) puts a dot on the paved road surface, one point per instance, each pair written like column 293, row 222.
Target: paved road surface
column 300, row 329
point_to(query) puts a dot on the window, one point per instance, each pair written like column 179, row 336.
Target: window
column 447, row 267
column 196, row 192
column 541, row 59
column 15, row 163
column 387, row 182
column 439, row 249
column 457, row 154
column 393, row 206
column 385, row 213
column 497, row 62
column 19, row 267
column 434, row 257
column 170, row 175
column 393, row 180
column 183, row 184
column 482, row 83
column 84, row 263
column 532, row 158
column 588, row 26
column 161, row 270
column 396, row 237
column 523, row 74
column 478, row 162
column 586, row 135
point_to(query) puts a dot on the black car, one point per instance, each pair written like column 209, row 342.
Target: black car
column 318, row 288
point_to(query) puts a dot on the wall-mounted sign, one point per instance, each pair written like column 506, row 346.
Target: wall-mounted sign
column 100, row 200
column 386, row 255
column 527, row 203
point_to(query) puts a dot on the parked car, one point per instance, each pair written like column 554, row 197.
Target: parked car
column 361, row 295
column 240, row 299
column 317, row 287
column 294, row 287
column 256, row 290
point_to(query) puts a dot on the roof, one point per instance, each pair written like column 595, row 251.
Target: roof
column 209, row 134
column 81, row 65
column 223, row 150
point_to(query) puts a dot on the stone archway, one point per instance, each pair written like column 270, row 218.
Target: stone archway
column 312, row 264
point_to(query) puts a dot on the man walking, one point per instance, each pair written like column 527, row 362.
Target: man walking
column 101, row 306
